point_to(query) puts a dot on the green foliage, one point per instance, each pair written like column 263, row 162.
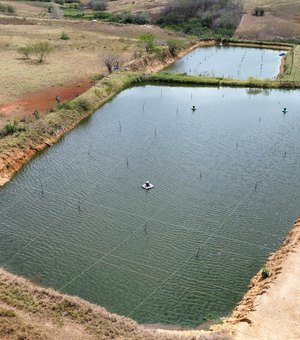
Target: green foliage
column 41, row 49
column 83, row 105
column 259, row 11
column 26, row 51
column 97, row 5
column 75, row 12
column 10, row 128
column 7, row 9
column 147, row 40
column 175, row 45
column 137, row 19
column 64, row 36
column 265, row 273
column 205, row 18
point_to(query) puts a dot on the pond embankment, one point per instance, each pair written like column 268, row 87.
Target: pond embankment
column 270, row 308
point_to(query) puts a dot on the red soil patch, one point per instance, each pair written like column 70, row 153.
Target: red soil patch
column 45, row 99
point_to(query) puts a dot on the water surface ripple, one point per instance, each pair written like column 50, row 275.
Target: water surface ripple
column 226, row 191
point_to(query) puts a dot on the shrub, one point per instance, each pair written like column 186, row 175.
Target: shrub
column 25, row 51
column 64, row 36
column 10, row 128
column 175, row 45
column 97, row 5
column 7, row 9
column 109, row 61
column 147, row 40
column 41, row 50
column 138, row 19
column 259, row 11
column 265, row 272
column 83, row 105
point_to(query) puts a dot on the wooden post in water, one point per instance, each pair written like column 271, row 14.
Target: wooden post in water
column 42, row 189
column 79, row 208
column 127, row 161
column 120, row 126
column 145, row 228
column 155, row 133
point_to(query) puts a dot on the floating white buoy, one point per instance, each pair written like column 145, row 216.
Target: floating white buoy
column 147, row 185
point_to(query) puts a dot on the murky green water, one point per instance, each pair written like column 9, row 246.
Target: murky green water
column 228, row 61
column 77, row 215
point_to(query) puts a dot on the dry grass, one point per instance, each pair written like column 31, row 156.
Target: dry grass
column 72, row 59
column 31, row 312
column 281, row 21
column 75, row 58
column 152, row 7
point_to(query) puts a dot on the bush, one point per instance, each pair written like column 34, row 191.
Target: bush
column 10, row 128
column 41, row 50
column 83, row 105
column 259, row 11
column 175, row 45
column 7, row 9
column 26, row 51
column 265, row 273
column 147, row 40
column 97, row 5
column 64, row 36
column 137, row 19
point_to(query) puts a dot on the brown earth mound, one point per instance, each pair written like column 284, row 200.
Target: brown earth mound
column 45, row 99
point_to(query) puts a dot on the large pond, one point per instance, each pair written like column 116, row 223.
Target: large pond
column 229, row 61
column 227, row 189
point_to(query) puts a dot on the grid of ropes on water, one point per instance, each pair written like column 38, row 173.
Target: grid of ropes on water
column 141, row 228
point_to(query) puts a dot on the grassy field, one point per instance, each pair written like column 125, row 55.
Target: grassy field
column 71, row 59
column 281, row 20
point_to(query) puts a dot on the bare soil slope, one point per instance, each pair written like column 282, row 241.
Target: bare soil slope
column 270, row 309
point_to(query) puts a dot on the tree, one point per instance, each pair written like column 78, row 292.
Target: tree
column 109, row 60
column 41, row 50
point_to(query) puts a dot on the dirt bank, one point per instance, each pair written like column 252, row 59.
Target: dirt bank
column 271, row 307
column 43, row 100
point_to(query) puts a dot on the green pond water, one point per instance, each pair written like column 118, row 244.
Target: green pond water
column 229, row 61
column 227, row 190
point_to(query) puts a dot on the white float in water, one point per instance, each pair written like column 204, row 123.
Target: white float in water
column 147, row 185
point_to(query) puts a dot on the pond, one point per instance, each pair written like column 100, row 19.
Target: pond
column 226, row 192
column 230, row 62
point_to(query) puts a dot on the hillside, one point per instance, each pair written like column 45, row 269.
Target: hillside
column 281, row 20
